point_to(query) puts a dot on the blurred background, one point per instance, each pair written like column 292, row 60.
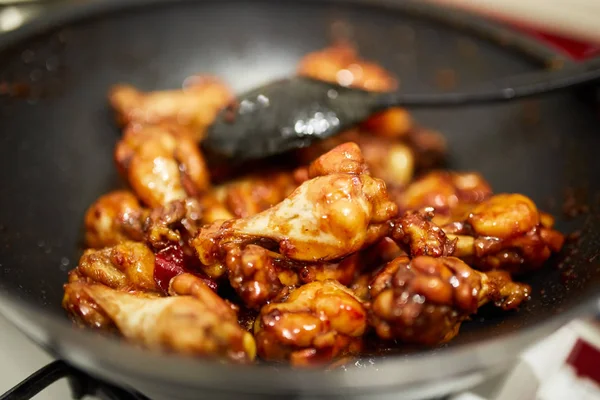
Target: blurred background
column 571, row 25
column 576, row 19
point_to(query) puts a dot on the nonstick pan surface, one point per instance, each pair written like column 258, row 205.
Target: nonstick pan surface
column 57, row 136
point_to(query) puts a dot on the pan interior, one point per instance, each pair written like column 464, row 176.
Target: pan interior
column 57, row 133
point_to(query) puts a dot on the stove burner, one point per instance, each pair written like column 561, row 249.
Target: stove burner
column 81, row 385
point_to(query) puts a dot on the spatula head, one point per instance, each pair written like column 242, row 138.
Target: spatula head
column 284, row 115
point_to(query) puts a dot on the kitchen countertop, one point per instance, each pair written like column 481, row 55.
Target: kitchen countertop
column 19, row 358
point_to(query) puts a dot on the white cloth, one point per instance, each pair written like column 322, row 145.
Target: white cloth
column 542, row 372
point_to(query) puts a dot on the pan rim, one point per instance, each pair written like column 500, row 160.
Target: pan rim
column 318, row 383
column 457, row 19
column 94, row 353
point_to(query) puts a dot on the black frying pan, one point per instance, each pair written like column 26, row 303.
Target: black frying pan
column 57, row 137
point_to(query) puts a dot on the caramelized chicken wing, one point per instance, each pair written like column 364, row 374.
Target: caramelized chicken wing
column 113, row 218
column 503, row 232
column 424, row 300
column 174, row 223
column 506, row 231
column 415, row 232
column 125, row 266
column 250, row 195
column 193, row 320
column 194, row 107
column 313, row 325
column 341, row 64
column 257, row 274
column 390, row 160
column 161, row 163
column 368, row 264
column 343, row 271
column 326, row 218
column 118, row 216
column 450, row 194
column 504, row 216
column 345, row 158
column 83, row 309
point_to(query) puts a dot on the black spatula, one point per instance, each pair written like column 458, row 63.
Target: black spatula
column 293, row 113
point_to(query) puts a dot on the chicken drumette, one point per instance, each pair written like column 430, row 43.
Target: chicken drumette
column 461, row 217
column 252, row 194
column 194, row 107
column 425, row 299
column 390, row 160
column 314, row 324
column 336, row 212
column 191, row 320
column 127, row 266
column 506, row 232
column 113, row 218
column 450, row 194
column 161, row 163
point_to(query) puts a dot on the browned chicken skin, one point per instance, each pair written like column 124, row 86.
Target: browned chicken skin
column 326, row 218
column 314, row 324
column 192, row 320
column 194, row 107
column 118, row 217
column 250, row 195
column 450, row 194
column 257, row 274
column 162, row 163
column 393, row 160
column 128, row 266
column 415, row 232
column 174, row 223
column 343, row 271
column 505, row 232
column 83, row 309
column 113, row 218
column 424, row 300
column 390, row 160
column 341, row 64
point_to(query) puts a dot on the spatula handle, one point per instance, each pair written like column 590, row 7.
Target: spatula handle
column 526, row 85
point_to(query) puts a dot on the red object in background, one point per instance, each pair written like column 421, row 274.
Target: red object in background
column 574, row 48
column 585, row 358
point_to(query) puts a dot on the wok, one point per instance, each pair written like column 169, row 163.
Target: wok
column 57, row 137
